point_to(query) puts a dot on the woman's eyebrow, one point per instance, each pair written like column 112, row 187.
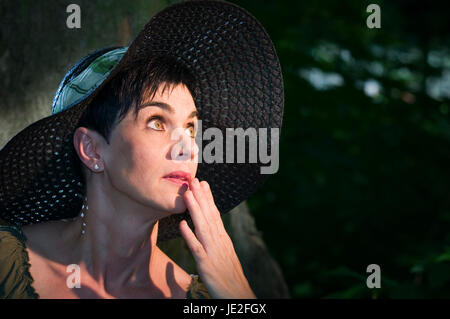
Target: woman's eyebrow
column 165, row 107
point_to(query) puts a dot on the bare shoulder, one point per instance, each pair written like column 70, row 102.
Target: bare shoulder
column 41, row 236
column 47, row 241
column 46, row 255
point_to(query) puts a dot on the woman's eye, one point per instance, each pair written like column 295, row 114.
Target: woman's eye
column 190, row 131
column 156, row 124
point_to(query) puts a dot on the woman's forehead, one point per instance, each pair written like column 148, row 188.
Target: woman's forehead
column 165, row 91
column 170, row 98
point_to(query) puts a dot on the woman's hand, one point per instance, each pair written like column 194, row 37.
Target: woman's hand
column 217, row 262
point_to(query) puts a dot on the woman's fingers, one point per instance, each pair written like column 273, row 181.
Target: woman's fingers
column 202, row 200
column 200, row 224
column 205, row 205
column 215, row 214
column 208, row 223
column 194, row 245
column 211, row 246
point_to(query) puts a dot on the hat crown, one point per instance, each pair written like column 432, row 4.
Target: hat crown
column 83, row 78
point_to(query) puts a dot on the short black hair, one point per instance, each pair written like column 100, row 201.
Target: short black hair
column 126, row 91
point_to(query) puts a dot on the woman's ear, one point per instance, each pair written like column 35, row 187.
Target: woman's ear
column 87, row 144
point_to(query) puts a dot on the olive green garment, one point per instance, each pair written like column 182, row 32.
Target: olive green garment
column 15, row 278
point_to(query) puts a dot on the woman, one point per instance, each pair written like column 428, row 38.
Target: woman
column 111, row 141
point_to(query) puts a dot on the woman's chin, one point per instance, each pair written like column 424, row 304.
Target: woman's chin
column 169, row 200
column 178, row 207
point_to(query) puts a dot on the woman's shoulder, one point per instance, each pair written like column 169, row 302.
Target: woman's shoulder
column 15, row 278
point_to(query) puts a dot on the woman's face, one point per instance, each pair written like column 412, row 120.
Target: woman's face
column 143, row 151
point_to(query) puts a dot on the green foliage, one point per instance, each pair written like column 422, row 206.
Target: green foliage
column 364, row 149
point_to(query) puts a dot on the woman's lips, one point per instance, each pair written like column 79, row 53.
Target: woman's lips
column 178, row 181
column 179, row 177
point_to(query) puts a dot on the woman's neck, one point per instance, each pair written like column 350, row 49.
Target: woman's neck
column 118, row 246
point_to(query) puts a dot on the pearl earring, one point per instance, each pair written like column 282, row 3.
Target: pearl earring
column 96, row 167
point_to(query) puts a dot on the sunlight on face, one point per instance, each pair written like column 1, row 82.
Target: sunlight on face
column 141, row 150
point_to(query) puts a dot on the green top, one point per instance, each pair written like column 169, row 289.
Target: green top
column 15, row 278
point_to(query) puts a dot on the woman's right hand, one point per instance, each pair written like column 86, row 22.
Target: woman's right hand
column 212, row 248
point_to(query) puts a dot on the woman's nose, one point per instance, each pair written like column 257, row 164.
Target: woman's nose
column 185, row 148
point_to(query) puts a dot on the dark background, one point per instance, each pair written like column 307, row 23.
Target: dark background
column 364, row 149
column 364, row 169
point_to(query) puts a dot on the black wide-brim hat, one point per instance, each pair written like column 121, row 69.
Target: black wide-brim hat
column 240, row 86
